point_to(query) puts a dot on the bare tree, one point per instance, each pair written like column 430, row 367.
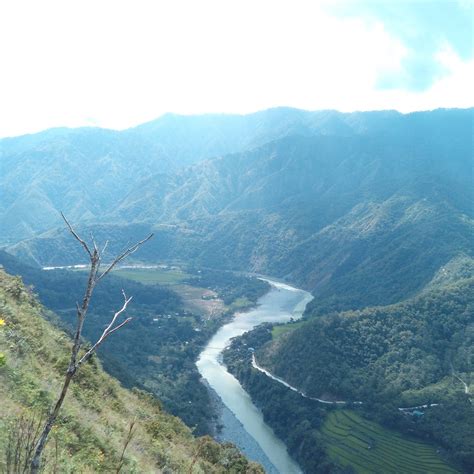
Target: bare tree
column 22, row 437
column 75, row 362
column 131, row 432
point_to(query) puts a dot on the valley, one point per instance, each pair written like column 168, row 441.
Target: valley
column 281, row 304
column 237, row 237
column 171, row 325
column 369, row 212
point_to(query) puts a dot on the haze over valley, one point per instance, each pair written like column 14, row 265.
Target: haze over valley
column 237, row 238
column 361, row 209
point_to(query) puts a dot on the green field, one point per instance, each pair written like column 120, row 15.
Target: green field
column 240, row 303
column 152, row 276
column 369, row 448
column 281, row 329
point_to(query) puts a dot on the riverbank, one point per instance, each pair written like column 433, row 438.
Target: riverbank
column 229, row 429
column 282, row 303
column 327, row 437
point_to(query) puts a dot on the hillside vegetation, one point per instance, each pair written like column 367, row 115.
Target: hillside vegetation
column 91, row 433
column 362, row 209
column 157, row 351
column 413, row 353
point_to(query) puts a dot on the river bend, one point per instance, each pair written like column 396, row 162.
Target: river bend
column 279, row 305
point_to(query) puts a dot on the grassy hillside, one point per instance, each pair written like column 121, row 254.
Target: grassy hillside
column 96, row 417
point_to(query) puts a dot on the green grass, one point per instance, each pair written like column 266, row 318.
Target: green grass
column 279, row 330
column 369, row 448
column 152, row 276
column 240, row 303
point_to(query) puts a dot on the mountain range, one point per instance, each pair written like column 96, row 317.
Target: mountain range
column 370, row 211
column 359, row 208
column 87, row 171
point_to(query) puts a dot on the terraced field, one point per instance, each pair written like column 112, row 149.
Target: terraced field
column 369, row 448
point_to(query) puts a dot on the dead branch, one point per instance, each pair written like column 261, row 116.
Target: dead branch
column 73, row 232
column 95, row 257
column 131, row 432
column 105, row 247
column 107, row 331
column 123, row 255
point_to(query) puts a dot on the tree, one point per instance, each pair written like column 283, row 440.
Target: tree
column 95, row 275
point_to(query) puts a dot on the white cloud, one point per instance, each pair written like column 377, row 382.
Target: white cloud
column 467, row 4
column 454, row 89
column 119, row 63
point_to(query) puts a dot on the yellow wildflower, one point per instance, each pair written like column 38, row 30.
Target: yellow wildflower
column 2, row 322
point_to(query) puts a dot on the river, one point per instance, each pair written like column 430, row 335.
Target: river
column 279, row 305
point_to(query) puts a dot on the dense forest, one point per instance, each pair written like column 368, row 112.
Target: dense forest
column 418, row 352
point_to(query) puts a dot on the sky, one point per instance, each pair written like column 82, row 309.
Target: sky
column 118, row 63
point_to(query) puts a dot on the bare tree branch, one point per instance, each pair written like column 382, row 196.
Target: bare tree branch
column 131, row 432
column 94, row 348
column 82, row 310
column 96, row 248
column 94, row 277
column 118, row 313
column 123, row 255
column 73, row 232
column 114, row 329
column 108, row 330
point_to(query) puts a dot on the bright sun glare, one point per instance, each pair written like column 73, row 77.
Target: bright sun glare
column 118, row 63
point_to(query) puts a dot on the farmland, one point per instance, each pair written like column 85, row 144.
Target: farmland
column 283, row 328
column 152, row 276
column 369, row 448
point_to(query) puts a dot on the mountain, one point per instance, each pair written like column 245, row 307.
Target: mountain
column 86, row 172
column 371, row 212
column 406, row 366
column 362, row 209
column 98, row 414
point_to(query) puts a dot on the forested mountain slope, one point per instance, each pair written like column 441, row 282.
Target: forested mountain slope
column 362, row 209
column 91, row 432
column 409, row 354
column 86, row 172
